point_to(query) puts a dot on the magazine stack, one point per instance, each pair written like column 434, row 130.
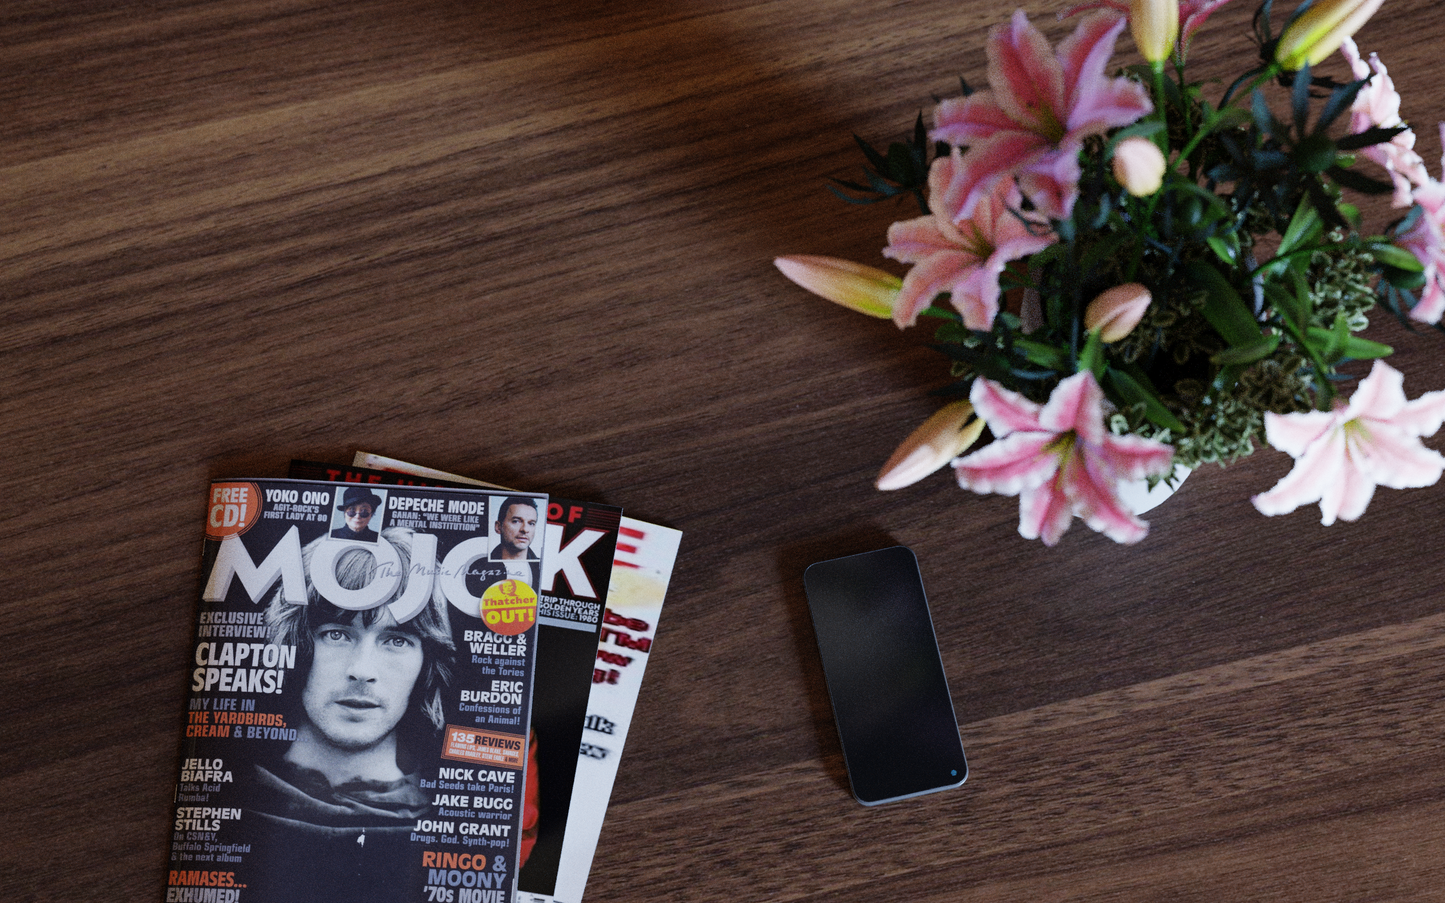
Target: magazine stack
column 407, row 686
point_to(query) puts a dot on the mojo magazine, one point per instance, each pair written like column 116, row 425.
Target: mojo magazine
column 641, row 571
column 361, row 688
column 580, row 540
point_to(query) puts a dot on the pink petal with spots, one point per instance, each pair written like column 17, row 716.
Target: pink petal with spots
column 966, row 120
column 1004, row 410
column 1084, row 54
column 1381, row 395
column 1094, row 489
column 1320, row 465
column 1134, row 457
column 1077, row 404
column 912, row 240
column 1008, row 466
column 975, row 296
column 1424, row 415
column 1193, row 14
column 1045, row 513
column 930, row 277
column 1372, row 441
column 991, row 160
column 1347, row 493
column 1292, row 434
column 1023, row 73
column 1395, row 458
column 1052, row 183
column 1111, row 103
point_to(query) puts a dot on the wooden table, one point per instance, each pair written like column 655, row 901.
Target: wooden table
column 531, row 242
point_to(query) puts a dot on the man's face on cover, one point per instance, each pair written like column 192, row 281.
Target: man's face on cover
column 358, row 516
column 516, row 528
column 361, row 680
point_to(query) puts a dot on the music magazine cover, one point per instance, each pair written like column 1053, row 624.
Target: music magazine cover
column 361, row 687
column 641, row 571
column 579, row 544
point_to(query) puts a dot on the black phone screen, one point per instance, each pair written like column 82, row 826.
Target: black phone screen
column 885, row 677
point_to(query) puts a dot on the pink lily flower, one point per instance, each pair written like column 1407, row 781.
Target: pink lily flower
column 1192, row 13
column 1060, row 460
column 1378, row 105
column 1426, row 240
column 963, row 256
column 1040, row 106
column 1342, row 455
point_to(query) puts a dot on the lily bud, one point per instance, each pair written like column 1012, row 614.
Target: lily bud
column 1155, row 25
column 1139, row 166
column 865, row 289
column 1116, row 312
column 1320, row 31
column 940, row 439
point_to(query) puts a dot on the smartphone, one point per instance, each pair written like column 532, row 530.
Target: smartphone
column 885, row 677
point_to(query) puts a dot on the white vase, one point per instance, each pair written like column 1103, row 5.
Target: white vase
column 1138, row 497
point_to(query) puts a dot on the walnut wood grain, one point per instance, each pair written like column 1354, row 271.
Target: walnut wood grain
column 531, row 242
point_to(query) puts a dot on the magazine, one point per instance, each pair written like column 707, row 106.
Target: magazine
column 646, row 554
column 579, row 543
column 645, row 557
column 361, row 690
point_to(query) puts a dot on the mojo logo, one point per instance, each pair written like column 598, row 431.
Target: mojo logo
column 287, row 564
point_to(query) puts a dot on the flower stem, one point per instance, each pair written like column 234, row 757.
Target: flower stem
column 1161, row 106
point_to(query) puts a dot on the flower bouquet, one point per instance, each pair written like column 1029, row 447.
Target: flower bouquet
column 1133, row 275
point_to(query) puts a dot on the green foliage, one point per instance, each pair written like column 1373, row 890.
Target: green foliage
column 901, row 170
column 1260, row 273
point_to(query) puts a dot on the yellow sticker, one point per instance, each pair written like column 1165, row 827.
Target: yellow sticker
column 509, row 607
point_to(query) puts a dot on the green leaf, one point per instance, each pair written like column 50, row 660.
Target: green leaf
column 1227, row 118
column 1263, row 119
column 874, row 157
column 1358, row 349
column 1315, row 154
column 1146, row 128
column 1227, row 250
column 1092, row 357
column 1248, row 354
column 1300, row 99
column 1352, row 180
column 1043, row 354
column 1292, row 301
column 900, row 162
column 1133, row 392
column 1390, row 255
column 987, row 362
column 1341, row 99
column 1110, row 248
column 1304, row 227
column 1369, row 137
column 1403, row 279
column 1334, row 347
column 1228, row 376
column 1325, row 344
column 881, row 184
column 852, row 186
column 1223, row 307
